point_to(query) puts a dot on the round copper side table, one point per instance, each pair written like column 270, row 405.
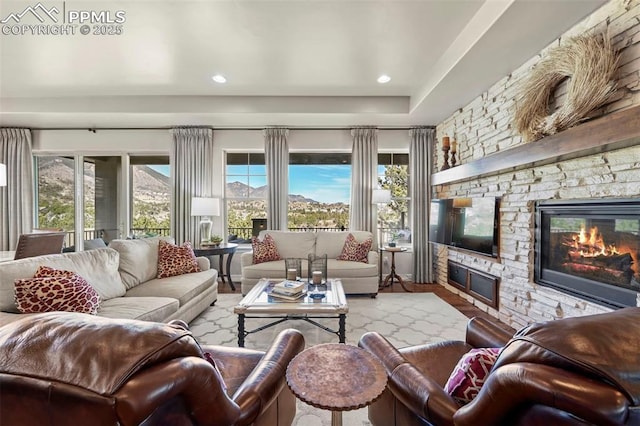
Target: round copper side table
column 336, row 377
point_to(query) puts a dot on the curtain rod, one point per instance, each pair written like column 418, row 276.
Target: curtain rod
column 94, row 129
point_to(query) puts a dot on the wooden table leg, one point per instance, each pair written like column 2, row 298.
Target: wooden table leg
column 229, row 257
column 336, row 418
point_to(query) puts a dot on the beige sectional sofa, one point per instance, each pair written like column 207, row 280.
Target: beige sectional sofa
column 124, row 275
column 356, row 277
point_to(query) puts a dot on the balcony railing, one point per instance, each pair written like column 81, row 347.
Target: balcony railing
column 88, row 234
column 150, row 232
column 244, row 234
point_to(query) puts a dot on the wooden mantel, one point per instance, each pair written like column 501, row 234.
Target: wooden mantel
column 617, row 130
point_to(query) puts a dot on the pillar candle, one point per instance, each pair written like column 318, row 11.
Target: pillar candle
column 454, row 145
column 317, row 277
column 445, row 142
column 292, row 274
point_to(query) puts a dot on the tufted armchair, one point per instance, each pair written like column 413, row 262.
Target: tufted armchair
column 64, row 368
column 574, row 371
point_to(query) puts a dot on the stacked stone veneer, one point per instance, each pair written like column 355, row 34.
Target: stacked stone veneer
column 484, row 127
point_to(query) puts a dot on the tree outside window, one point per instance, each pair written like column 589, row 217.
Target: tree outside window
column 393, row 217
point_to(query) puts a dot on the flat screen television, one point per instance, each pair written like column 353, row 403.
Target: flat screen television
column 466, row 223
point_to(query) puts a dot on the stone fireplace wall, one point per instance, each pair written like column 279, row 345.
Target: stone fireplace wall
column 483, row 127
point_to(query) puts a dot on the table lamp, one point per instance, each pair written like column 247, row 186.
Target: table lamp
column 3, row 175
column 205, row 207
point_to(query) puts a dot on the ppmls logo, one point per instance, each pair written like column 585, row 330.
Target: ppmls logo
column 43, row 20
column 38, row 11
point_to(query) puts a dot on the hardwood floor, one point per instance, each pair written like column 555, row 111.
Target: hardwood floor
column 454, row 300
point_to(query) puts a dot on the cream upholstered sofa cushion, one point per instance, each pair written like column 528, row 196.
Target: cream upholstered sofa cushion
column 292, row 244
column 138, row 259
column 140, row 308
column 331, row 243
column 99, row 267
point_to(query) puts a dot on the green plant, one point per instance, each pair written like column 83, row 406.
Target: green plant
column 216, row 239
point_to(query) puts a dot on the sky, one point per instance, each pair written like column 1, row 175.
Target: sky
column 326, row 183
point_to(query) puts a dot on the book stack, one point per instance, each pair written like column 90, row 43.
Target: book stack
column 289, row 290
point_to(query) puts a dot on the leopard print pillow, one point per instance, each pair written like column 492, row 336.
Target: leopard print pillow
column 176, row 260
column 264, row 251
column 355, row 251
column 55, row 290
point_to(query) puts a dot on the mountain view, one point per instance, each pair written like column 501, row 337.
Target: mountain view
column 150, row 191
column 151, row 201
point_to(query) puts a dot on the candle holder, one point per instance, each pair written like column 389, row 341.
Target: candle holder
column 445, row 166
column 453, row 158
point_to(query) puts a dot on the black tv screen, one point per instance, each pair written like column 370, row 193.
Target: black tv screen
column 466, row 223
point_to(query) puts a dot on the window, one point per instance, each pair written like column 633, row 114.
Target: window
column 100, row 179
column 393, row 217
column 55, row 195
column 319, row 191
column 100, row 204
column 245, row 195
column 150, row 196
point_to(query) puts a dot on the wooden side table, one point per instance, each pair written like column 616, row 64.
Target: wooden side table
column 389, row 279
column 229, row 249
column 336, row 377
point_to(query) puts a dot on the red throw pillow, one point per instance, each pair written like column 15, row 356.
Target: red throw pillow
column 176, row 260
column 467, row 378
column 355, row 251
column 55, row 290
column 265, row 250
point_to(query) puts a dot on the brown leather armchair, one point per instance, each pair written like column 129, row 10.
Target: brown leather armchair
column 574, row 371
column 64, row 368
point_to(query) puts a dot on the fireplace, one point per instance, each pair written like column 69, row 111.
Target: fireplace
column 590, row 249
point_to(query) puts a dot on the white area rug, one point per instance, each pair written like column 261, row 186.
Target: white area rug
column 403, row 318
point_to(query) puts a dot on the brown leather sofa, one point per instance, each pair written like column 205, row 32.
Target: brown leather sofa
column 74, row 369
column 574, row 371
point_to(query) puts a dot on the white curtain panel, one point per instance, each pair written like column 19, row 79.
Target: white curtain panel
column 16, row 199
column 364, row 161
column 420, row 161
column 276, row 157
column 191, row 176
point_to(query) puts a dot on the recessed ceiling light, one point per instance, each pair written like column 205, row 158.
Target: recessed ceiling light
column 219, row 78
column 384, row 79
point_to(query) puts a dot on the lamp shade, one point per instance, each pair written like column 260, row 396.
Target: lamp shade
column 202, row 206
column 380, row 196
column 3, row 175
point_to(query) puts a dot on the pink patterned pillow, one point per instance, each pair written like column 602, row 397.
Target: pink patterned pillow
column 176, row 260
column 355, row 251
column 48, row 271
column 467, row 378
column 265, row 250
column 55, row 290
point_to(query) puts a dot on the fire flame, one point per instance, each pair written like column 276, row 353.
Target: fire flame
column 591, row 244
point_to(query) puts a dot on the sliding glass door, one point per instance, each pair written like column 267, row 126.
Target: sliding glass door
column 54, row 195
column 105, row 197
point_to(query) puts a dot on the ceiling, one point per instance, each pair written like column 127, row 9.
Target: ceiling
column 297, row 63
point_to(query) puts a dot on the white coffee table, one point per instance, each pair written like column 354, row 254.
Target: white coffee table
column 258, row 304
